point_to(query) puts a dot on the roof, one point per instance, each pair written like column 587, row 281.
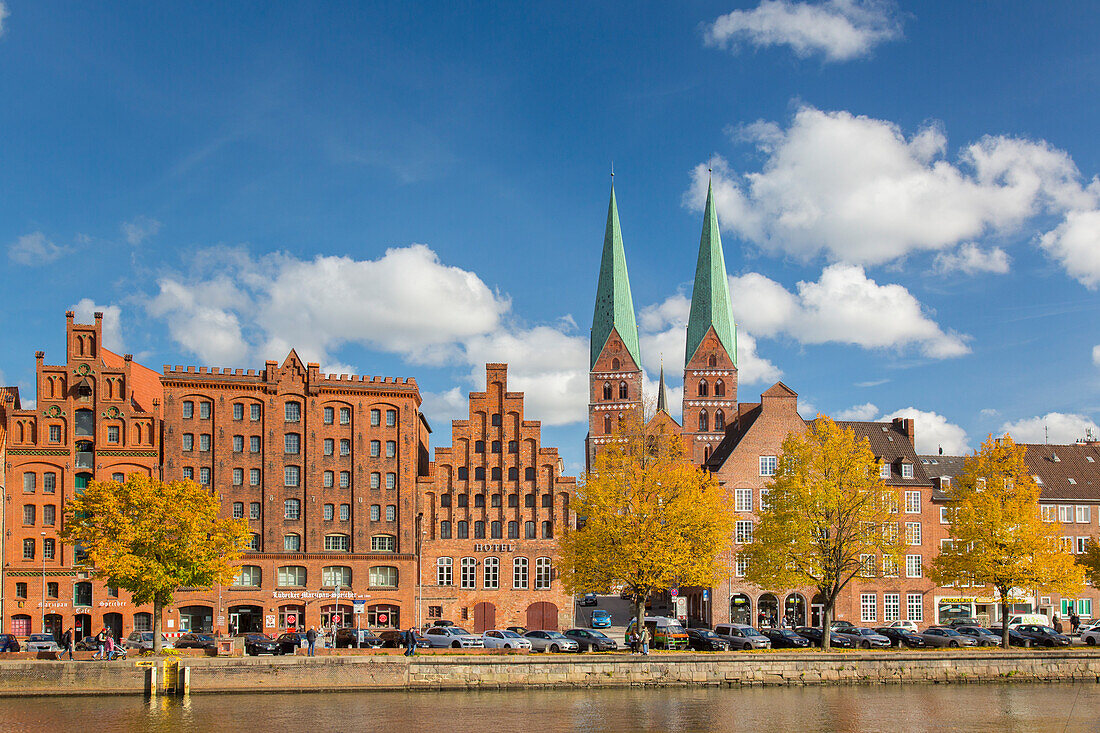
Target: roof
column 614, row 304
column 710, row 296
column 1064, row 472
column 662, row 398
column 942, row 466
column 144, row 382
column 890, row 445
column 736, row 429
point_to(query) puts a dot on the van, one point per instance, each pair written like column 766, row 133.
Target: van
column 666, row 633
column 1028, row 618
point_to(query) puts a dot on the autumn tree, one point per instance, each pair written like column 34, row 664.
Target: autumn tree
column 827, row 517
column 1090, row 563
column 152, row 537
column 651, row 520
column 998, row 536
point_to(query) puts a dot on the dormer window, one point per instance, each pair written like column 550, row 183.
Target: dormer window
column 884, row 470
column 907, row 470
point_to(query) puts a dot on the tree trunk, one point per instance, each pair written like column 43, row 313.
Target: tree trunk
column 158, row 611
column 1004, row 620
column 639, row 614
column 826, row 625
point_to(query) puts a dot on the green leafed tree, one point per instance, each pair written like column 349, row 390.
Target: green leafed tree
column 152, row 537
column 828, row 517
column 998, row 536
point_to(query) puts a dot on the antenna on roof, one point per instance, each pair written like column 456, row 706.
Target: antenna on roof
column 1046, row 434
column 941, row 450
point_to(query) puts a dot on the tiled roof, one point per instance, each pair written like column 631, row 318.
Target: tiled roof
column 942, row 466
column 144, row 381
column 746, row 415
column 1065, row 472
column 891, row 445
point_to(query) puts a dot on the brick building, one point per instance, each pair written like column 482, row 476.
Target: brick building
column 493, row 505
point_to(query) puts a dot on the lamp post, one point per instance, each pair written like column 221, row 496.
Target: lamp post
column 42, row 615
column 419, row 569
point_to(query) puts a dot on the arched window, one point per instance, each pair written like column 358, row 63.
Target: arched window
column 615, row 364
column 513, row 474
column 492, row 572
column 622, row 390
column 513, row 446
column 496, row 420
column 607, row 390
column 607, row 424
column 495, row 446
column 548, row 530
column 291, row 576
column 712, row 361
column 444, row 530
column 513, row 530
column 519, row 573
column 495, row 473
column 479, row 500
column 469, row 570
column 719, row 421
column 529, row 530
column 479, row 473
column 479, row 530
column 444, row 571
column 463, row 473
column 463, row 500
column 334, row 575
column 702, row 388
column 495, row 530
column 529, row 474
column 719, row 388
column 703, row 424
column 706, row 453
column 444, row 500
column 463, row 530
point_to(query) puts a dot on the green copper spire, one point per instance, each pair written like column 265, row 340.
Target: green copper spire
column 662, row 400
column 710, row 297
column 614, row 306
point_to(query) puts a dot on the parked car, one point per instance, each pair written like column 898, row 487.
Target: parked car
column 1090, row 634
column 550, row 641
column 941, row 636
column 143, row 641
column 87, row 644
column 454, row 637
column 600, row 619
column 865, row 638
column 1037, row 619
column 42, row 643
column 705, row 640
column 352, row 638
column 291, row 642
column 664, row 632
column 901, row 636
column 590, row 640
column 785, row 639
column 742, row 636
column 504, row 639
column 956, row 622
column 195, row 641
column 813, row 635
column 1015, row 638
column 909, row 625
column 8, row 643
column 1040, row 635
column 395, row 639
column 837, row 624
column 984, row 636
column 521, row 630
column 589, row 599
column 257, row 644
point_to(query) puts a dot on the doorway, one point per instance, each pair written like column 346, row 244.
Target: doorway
column 113, row 622
column 82, row 625
column 246, row 620
column 485, row 617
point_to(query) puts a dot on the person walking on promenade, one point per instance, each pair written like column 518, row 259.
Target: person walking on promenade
column 67, row 644
column 1057, row 624
column 1074, row 622
column 633, row 641
column 311, row 640
column 100, row 644
column 645, row 640
column 410, row 641
column 110, row 647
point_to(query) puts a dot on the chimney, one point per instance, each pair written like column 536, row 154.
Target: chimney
column 905, row 425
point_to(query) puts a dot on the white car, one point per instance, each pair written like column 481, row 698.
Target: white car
column 1090, row 634
column 908, row 625
column 503, row 639
column 454, row 637
column 41, row 643
column 143, row 641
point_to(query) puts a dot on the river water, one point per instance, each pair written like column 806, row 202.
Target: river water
column 913, row 708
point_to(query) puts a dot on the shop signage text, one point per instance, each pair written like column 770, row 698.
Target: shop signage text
column 304, row 594
column 494, row 548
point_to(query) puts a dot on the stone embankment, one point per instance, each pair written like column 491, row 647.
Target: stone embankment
column 435, row 672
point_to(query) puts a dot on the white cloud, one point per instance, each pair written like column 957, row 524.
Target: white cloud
column 34, row 249
column 971, row 259
column 442, row 407
column 4, row 13
column 989, row 412
column 862, row 412
column 1096, row 355
column 1054, row 427
column 859, row 190
column 140, row 228
column 838, row 29
column 85, row 312
column 872, row 383
column 843, row 306
column 933, row 431
column 807, row 410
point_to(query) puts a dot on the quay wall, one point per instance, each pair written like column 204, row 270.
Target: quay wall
column 436, row 672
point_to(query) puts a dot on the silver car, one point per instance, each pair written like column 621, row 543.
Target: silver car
column 454, row 637
column 551, row 641
column 941, row 636
column 42, row 643
column 504, row 639
column 1090, row 634
column 742, row 636
column 142, row 641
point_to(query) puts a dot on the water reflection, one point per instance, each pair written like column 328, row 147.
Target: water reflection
column 913, row 708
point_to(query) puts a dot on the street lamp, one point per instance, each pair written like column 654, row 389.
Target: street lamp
column 42, row 615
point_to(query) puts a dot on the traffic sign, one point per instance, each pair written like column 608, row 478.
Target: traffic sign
column 359, row 606
column 706, row 594
column 674, row 592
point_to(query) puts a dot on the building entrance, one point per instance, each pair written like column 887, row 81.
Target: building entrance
column 246, row 620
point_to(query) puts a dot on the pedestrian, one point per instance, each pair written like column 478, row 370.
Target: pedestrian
column 761, row 618
column 645, row 641
column 1057, row 624
column 634, row 641
column 110, row 647
column 1074, row 622
column 410, row 641
column 100, row 644
column 67, row 643
column 311, row 640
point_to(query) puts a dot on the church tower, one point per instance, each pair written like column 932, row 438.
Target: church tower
column 710, row 360
column 615, row 369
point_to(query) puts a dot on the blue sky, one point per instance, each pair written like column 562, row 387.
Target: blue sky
column 907, row 193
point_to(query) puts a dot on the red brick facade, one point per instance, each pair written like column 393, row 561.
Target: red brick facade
column 710, row 397
column 614, row 393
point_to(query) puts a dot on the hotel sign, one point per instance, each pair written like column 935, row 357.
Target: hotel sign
column 494, row 548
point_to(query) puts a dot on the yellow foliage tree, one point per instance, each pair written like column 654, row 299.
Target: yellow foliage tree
column 827, row 518
column 1090, row 563
column 651, row 520
column 152, row 537
column 998, row 536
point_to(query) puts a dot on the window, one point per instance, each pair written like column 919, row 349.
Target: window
column 345, row 512
column 704, row 423
column 912, row 533
column 912, row 501
column 444, row 571
column 884, row 470
column 383, row 543
column 345, row 447
column 337, row 543
column 391, row 448
column 28, row 514
column 345, row 416
column 49, row 515
column 889, row 567
column 868, row 565
column 496, row 500
column 891, row 607
column 946, row 519
column 548, row 501
column 82, row 594
column 204, row 476
column 335, row 575
column 529, row 474
column 463, row 530
column 1065, row 514
column 519, row 573
column 1048, row 512
column 254, row 542
column 204, row 443
column 28, row 482
column 479, row 446
column 20, row 590
column 391, row 480
column 1082, row 545
column 254, row 477
column 542, row 573
column 868, row 607
column 491, row 573
column 292, row 443
column 292, row 411
column 391, row 418
column 375, row 448
column 49, row 482
column 703, row 388
column 254, row 444
column 291, row 476
column 529, row 530
column 292, row 575
column 469, row 572
column 479, row 500
column 719, row 421
column 328, row 444
column 112, row 434
column 744, row 532
column 513, row 447
column 55, row 433
column 238, row 476
column 391, row 512
column 238, row 411
column 204, row 410
column 328, row 478
column 375, row 512
column 479, row 473
column 907, row 470
column 375, row 480
column 513, row 530
column 914, row 607
column 622, row 391
column 767, row 465
column 495, row 447
column 188, row 410
column 329, row 512
column 247, row 575
column 254, row 411
column 1084, row 514
column 238, row 510
column 188, row 442
column 292, row 542
column 188, row 472
column 742, row 500
column 495, row 532
column 292, row 509
column 548, row 530
column 118, row 477
column 375, row 417
column 345, row 479
column 52, row 590
column 328, row 415
column 913, row 566
column 444, row 530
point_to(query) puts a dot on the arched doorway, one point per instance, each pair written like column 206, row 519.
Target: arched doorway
column 197, row 619
column 54, row 625
column 767, row 610
column 21, row 624
column 113, row 621
column 740, row 609
column 794, row 610
column 384, row 616
column 292, row 617
column 343, row 615
column 542, row 616
column 485, row 617
column 246, row 620
column 82, row 625
column 817, row 609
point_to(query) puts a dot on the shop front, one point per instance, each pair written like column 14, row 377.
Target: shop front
column 984, row 610
column 740, row 609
